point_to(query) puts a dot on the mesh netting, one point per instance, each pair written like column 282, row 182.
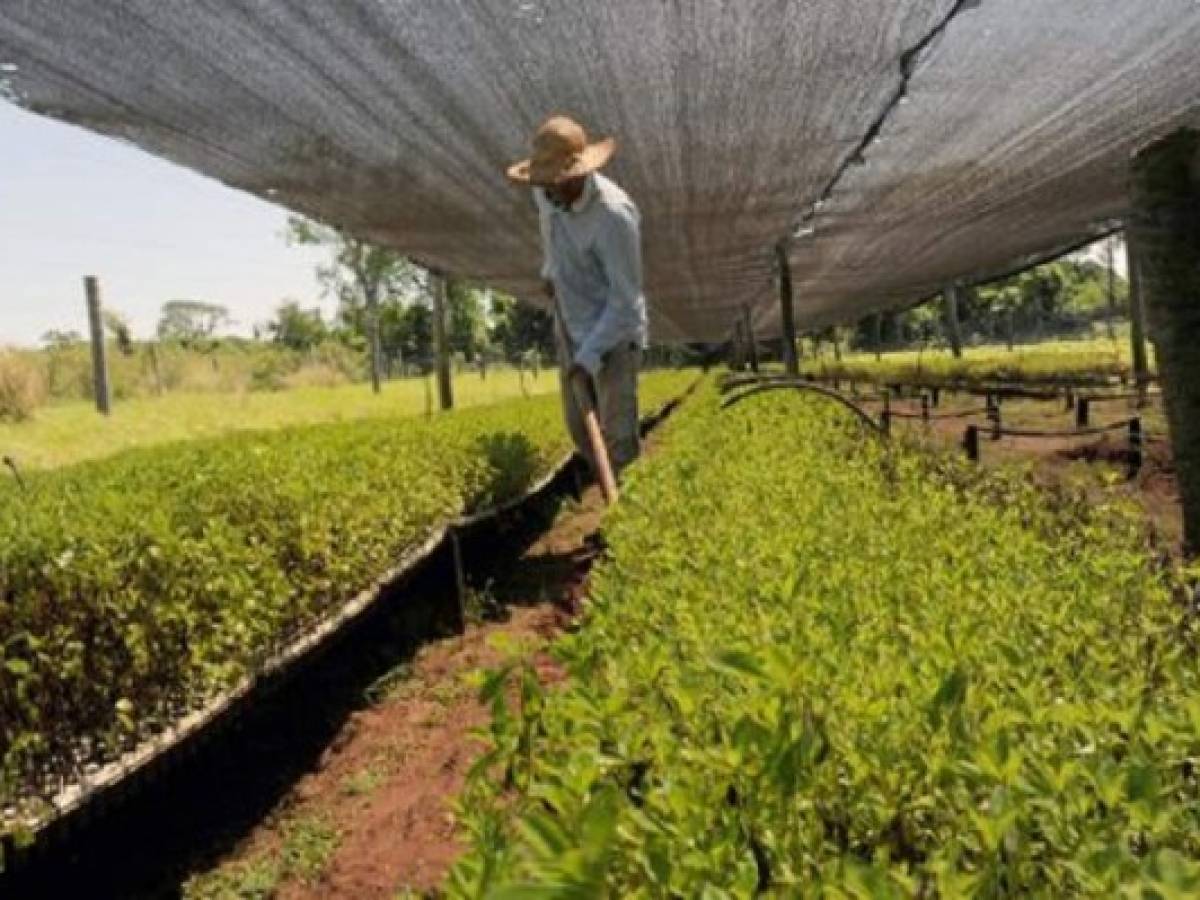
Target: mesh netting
column 396, row 120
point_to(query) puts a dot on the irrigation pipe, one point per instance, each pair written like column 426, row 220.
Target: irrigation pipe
column 809, row 387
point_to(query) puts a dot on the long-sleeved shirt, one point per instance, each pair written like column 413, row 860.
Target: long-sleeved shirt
column 593, row 257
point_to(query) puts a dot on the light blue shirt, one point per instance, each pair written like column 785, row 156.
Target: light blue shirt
column 593, row 256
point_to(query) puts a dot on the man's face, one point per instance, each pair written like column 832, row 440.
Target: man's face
column 566, row 192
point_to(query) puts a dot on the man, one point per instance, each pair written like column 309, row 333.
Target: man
column 591, row 237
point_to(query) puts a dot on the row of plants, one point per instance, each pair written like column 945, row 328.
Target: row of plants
column 1049, row 362
column 818, row 664
column 135, row 588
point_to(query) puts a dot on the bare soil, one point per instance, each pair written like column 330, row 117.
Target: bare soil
column 1099, row 463
column 388, row 780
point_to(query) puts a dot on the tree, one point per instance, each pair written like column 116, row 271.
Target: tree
column 361, row 275
column 467, row 326
column 190, row 321
column 118, row 326
column 296, row 328
column 519, row 327
column 57, row 338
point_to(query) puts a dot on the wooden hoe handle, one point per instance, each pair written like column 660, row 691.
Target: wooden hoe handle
column 582, row 387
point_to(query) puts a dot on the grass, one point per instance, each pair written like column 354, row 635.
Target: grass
column 70, row 432
column 308, row 845
column 1097, row 356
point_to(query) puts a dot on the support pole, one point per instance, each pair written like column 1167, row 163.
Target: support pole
column 737, row 355
column 952, row 330
column 1137, row 322
column 751, row 341
column 91, row 288
column 791, row 363
column 877, row 335
column 373, row 340
column 1166, row 236
column 441, row 347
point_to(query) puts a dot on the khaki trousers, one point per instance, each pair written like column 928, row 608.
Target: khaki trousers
column 616, row 404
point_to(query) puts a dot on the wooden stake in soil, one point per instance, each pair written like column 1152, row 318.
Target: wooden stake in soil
column 91, row 288
column 1165, row 228
column 971, row 442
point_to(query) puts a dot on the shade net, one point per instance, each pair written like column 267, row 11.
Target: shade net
column 914, row 141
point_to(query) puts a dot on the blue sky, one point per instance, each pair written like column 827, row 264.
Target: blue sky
column 73, row 203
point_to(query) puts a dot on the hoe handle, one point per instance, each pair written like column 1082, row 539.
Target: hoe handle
column 581, row 386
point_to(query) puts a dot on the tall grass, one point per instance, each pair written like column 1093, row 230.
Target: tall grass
column 148, row 370
column 1030, row 362
column 22, row 388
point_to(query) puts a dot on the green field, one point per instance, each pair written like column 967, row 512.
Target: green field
column 818, row 664
column 1028, row 362
column 68, row 432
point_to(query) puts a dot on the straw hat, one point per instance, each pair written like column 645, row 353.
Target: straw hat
column 560, row 151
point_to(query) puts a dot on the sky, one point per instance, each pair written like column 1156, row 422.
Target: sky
column 73, row 203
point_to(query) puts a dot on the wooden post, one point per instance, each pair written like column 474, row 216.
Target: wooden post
column 1137, row 323
column 374, row 344
column 91, row 288
column 1110, row 263
column 952, row 330
column 791, row 364
column 440, row 344
column 877, row 335
column 1083, row 410
column 1135, row 447
column 1166, row 236
column 751, row 341
column 971, row 442
column 885, row 416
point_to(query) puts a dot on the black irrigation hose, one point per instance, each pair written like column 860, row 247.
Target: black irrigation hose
column 1105, row 398
column 1080, row 432
column 961, row 414
column 801, row 385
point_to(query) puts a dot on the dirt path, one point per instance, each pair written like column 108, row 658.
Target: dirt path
column 375, row 816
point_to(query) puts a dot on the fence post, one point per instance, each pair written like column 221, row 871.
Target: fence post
column 441, row 345
column 1135, row 446
column 1082, row 412
column 91, row 288
column 1070, row 400
column 936, row 396
column 925, row 408
column 971, row 442
column 885, row 417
